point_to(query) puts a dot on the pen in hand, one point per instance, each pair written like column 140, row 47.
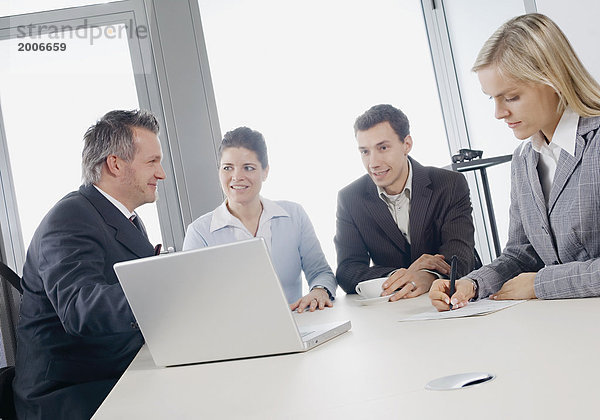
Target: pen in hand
column 452, row 276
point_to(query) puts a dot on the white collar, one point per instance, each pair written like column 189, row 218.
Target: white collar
column 222, row 218
column 116, row 203
column 407, row 185
column 565, row 134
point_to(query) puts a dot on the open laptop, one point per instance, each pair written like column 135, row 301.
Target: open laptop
column 217, row 303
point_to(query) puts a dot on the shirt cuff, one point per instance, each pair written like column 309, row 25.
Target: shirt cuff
column 324, row 288
column 435, row 273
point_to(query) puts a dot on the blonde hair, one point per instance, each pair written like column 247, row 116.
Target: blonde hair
column 532, row 48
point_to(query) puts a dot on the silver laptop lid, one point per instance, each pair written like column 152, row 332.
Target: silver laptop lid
column 216, row 303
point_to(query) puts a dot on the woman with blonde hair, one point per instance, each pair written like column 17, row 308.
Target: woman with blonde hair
column 547, row 97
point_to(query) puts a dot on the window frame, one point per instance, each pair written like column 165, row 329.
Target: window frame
column 454, row 113
column 173, row 81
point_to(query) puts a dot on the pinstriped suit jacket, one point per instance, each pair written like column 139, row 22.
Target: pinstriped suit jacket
column 440, row 222
column 560, row 242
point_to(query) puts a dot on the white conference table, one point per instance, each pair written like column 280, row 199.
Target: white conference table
column 545, row 355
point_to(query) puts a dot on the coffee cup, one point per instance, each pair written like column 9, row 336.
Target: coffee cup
column 369, row 289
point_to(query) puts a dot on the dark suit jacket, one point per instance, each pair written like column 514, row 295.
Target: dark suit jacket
column 76, row 332
column 440, row 223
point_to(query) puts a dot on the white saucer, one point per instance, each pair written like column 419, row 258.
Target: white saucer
column 371, row 301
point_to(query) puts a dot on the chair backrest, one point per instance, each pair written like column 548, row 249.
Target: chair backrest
column 10, row 300
column 7, row 403
column 10, row 276
column 9, row 310
column 478, row 263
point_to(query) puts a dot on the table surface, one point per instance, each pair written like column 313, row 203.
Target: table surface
column 543, row 353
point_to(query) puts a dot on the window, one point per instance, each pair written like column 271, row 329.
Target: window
column 301, row 73
column 49, row 99
column 469, row 27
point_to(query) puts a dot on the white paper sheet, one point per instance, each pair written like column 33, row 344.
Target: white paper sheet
column 481, row 307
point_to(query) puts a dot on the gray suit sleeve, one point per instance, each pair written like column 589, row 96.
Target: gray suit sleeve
column 518, row 256
column 575, row 279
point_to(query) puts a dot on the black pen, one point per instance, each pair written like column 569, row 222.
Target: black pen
column 452, row 277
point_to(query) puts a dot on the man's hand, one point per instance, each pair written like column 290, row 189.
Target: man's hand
column 413, row 281
column 407, row 284
column 431, row 262
column 316, row 299
column 520, row 287
column 465, row 290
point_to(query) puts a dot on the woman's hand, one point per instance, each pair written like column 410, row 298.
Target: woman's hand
column 519, row 287
column 317, row 299
column 465, row 290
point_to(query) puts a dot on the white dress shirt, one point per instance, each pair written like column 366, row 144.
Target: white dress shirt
column 222, row 218
column 399, row 204
column 288, row 234
column 117, row 203
column 564, row 138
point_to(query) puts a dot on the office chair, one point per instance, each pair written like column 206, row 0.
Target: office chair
column 477, row 263
column 7, row 403
column 8, row 323
column 6, row 273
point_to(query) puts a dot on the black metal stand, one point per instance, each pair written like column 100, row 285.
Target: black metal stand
column 482, row 165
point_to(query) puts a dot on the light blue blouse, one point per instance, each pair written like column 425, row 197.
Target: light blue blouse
column 290, row 238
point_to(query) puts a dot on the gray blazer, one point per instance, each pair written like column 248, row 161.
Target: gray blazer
column 560, row 242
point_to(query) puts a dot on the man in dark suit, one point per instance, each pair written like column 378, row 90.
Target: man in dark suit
column 76, row 333
column 401, row 220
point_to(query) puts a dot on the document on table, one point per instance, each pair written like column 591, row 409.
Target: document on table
column 480, row 307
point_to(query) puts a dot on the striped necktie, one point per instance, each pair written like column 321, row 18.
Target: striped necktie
column 134, row 220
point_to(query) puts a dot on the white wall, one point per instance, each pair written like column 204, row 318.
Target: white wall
column 580, row 25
